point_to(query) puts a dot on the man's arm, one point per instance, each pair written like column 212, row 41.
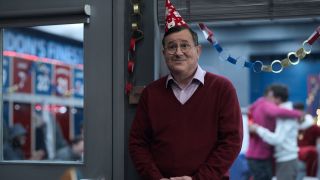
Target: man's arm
column 306, row 122
column 139, row 140
column 273, row 138
column 272, row 110
column 229, row 140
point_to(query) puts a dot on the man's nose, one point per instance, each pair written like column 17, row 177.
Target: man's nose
column 179, row 51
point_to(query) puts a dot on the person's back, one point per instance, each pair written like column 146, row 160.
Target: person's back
column 287, row 146
column 259, row 111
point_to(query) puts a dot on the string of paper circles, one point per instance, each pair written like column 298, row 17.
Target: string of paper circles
column 276, row 66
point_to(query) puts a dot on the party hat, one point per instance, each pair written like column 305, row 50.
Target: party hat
column 173, row 17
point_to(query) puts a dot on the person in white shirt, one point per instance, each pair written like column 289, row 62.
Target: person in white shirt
column 284, row 139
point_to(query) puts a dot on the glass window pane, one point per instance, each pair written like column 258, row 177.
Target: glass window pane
column 43, row 89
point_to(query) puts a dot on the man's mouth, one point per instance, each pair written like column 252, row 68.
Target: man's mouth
column 177, row 60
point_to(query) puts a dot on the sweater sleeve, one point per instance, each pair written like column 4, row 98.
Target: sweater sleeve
column 277, row 137
column 229, row 140
column 139, row 147
column 275, row 111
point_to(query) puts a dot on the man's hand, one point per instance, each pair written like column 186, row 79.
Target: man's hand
column 302, row 117
column 252, row 127
column 164, row 179
column 181, row 178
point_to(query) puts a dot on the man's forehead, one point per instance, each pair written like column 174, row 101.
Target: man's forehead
column 179, row 36
column 178, row 41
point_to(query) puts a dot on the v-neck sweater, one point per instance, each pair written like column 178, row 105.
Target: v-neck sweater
column 200, row 138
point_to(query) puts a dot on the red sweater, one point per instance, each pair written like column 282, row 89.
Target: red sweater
column 200, row 138
column 309, row 136
column 307, row 143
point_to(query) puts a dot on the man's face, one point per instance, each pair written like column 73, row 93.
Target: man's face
column 272, row 98
column 22, row 139
column 180, row 53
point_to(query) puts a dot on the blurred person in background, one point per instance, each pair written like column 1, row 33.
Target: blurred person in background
column 48, row 133
column 264, row 112
column 13, row 149
column 309, row 145
column 284, row 140
column 73, row 152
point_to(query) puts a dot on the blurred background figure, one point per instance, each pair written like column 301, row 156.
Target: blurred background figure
column 309, row 145
column 73, row 152
column 264, row 112
column 284, row 140
column 48, row 133
column 13, row 148
column 40, row 136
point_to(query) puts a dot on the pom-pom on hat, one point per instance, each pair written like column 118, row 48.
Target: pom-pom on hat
column 173, row 18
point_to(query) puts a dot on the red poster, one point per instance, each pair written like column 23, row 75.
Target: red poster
column 63, row 120
column 22, row 115
column 62, row 80
column 22, row 75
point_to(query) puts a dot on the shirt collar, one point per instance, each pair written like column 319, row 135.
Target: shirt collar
column 199, row 76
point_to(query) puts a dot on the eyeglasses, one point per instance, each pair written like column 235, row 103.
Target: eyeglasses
column 172, row 48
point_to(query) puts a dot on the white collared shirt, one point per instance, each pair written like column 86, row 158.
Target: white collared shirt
column 183, row 94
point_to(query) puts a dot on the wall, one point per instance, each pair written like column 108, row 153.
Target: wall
column 146, row 70
column 253, row 39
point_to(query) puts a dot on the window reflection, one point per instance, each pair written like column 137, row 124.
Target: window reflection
column 43, row 89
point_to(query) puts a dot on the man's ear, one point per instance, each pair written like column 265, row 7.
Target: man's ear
column 278, row 100
column 199, row 51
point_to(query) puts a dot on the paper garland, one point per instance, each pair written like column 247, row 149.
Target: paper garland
column 276, row 66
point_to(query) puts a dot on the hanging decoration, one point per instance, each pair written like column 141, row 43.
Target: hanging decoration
column 136, row 35
column 276, row 66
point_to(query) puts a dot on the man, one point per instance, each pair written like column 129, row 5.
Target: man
column 284, row 139
column 188, row 124
column 264, row 112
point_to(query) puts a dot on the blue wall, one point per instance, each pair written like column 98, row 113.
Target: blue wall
column 261, row 40
column 294, row 77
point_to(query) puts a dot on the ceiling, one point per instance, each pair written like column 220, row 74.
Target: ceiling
column 234, row 10
column 220, row 12
column 72, row 31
